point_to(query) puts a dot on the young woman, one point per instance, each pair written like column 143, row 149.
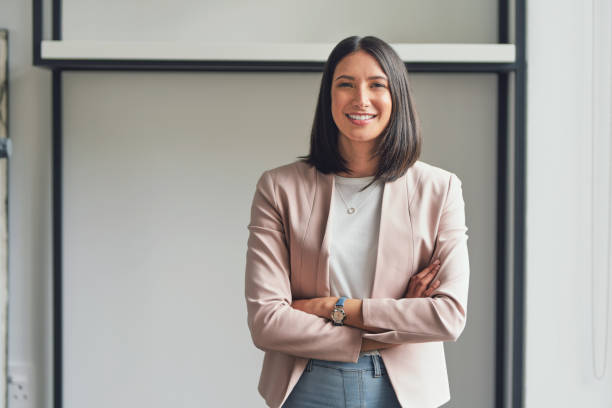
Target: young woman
column 357, row 262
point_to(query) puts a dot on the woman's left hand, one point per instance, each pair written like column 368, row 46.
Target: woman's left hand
column 421, row 285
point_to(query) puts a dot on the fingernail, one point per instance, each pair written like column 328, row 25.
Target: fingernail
column 437, row 261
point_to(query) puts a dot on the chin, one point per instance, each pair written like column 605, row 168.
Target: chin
column 360, row 138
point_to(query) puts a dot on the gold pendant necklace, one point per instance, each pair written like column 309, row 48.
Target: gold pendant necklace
column 350, row 209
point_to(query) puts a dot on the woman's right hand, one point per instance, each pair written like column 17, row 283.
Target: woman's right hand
column 420, row 284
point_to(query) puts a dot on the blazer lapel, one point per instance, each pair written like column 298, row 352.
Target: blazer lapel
column 312, row 271
column 395, row 258
column 325, row 189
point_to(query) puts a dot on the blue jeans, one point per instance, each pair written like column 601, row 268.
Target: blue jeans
column 337, row 384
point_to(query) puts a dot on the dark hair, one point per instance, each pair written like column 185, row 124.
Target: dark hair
column 398, row 146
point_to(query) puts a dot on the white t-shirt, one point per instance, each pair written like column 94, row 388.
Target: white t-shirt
column 354, row 237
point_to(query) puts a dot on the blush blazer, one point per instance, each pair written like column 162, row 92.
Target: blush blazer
column 422, row 219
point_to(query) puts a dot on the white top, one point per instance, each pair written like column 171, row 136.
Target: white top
column 354, row 237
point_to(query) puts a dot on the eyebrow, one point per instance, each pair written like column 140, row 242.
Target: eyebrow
column 353, row 78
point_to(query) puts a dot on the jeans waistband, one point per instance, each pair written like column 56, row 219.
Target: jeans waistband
column 371, row 362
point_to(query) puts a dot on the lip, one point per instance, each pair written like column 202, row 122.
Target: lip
column 360, row 122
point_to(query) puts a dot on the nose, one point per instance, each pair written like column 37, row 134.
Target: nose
column 362, row 96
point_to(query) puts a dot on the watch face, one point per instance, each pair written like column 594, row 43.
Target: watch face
column 338, row 315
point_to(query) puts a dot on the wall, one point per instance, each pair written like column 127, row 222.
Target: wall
column 559, row 368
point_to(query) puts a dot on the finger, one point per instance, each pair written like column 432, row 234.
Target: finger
column 431, row 289
column 434, row 270
column 428, row 278
column 419, row 283
column 421, row 286
column 428, row 269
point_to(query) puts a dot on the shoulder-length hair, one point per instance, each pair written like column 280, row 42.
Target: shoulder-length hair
column 398, row 146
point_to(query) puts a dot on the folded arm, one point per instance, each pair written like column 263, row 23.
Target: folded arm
column 421, row 285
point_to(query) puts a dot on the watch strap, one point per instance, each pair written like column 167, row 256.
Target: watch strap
column 340, row 301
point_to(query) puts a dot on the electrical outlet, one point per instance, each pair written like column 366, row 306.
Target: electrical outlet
column 20, row 389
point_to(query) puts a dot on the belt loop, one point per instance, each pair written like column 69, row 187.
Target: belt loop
column 376, row 362
column 309, row 365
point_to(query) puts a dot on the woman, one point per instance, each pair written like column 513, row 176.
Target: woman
column 357, row 263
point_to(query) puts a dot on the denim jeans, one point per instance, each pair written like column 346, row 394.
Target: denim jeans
column 338, row 384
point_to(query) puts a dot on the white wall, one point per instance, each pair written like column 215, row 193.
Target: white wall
column 559, row 369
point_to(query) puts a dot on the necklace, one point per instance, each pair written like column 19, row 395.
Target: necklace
column 349, row 208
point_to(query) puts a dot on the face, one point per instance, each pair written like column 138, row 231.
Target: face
column 361, row 100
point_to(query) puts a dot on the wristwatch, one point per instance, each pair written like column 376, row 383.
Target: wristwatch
column 338, row 315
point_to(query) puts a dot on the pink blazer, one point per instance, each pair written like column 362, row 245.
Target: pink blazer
column 422, row 218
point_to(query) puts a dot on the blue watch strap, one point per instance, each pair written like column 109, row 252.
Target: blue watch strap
column 340, row 301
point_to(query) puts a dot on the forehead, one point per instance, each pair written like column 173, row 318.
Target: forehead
column 359, row 64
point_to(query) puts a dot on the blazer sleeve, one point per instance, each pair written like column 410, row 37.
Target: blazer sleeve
column 273, row 323
column 442, row 316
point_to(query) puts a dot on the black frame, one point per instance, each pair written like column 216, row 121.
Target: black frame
column 504, row 71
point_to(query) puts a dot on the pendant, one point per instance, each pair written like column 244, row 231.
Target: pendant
column 350, row 210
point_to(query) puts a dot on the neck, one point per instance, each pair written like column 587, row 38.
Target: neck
column 358, row 157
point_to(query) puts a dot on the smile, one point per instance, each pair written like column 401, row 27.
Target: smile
column 360, row 120
column 360, row 117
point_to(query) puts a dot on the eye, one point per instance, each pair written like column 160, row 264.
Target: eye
column 344, row 84
column 378, row 85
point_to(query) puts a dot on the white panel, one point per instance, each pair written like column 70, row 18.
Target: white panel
column 459, row 115
column 265, row 52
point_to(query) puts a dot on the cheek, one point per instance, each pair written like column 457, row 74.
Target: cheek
column 385, row 109
column 336, row 109
column 389, row 105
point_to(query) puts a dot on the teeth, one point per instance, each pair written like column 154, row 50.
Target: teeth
column 361, row 117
